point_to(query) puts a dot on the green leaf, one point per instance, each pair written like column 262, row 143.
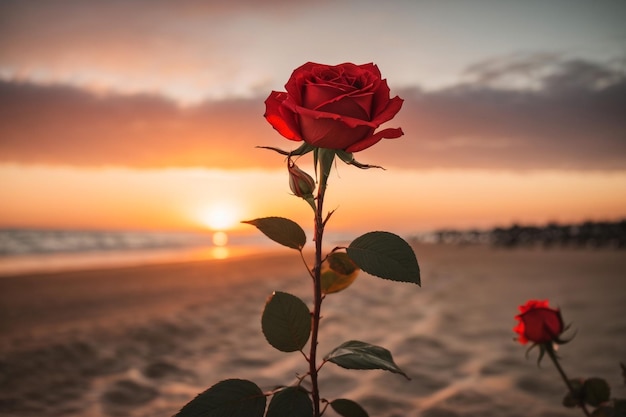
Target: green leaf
column 360, row 355
column 596, row 391
column 574, row 399
column 292, row 402
column 284, row 231
column 385, row 255
column 286, row 322
column 348, row 408
column 231, row 397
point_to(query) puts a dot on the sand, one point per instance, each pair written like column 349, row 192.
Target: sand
column 142, row 341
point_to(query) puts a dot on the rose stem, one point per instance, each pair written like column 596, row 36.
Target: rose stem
column 324, row 169
column 555, row 360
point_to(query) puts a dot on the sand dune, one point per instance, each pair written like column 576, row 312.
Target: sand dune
column 143, row 341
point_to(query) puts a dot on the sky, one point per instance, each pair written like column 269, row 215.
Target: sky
column 146, row 114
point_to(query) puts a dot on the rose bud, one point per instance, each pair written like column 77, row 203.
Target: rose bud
column 338, row 273
column 334, row 107
column 538, row 323
column 301, row 183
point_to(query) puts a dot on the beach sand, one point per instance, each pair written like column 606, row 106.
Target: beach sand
column 142, row 341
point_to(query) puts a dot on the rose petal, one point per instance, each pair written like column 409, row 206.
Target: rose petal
column 354, row 106
column 520, row 330
column 393, row 107
column 381, row 97
column 298, row 77
column 374, row 139
column 283, row 121
column 371, row 68
column 331, row 133
column 325, row 74
column 316, row 95
column 530, row 304
column 316, row 114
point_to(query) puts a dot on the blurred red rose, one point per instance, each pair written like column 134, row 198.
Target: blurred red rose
column 334, row 107
column 538, row 323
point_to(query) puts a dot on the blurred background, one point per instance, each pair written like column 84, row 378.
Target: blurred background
column 143, row 117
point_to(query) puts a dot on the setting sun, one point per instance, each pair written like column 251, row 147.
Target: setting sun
column 221, row 216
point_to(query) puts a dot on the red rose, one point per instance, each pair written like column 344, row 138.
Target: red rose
column 538, row 323
column 335, row 107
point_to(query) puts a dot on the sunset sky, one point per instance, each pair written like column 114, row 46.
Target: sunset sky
column 145, row 114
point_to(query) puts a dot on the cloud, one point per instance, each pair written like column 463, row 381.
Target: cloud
column 64, row 125
column 193, row 50
column 190, row 50
column 547, row 71
column 569, row 115
column 572, row 119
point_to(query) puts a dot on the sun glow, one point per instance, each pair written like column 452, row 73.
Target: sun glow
column 221, row 216
column 220, row 239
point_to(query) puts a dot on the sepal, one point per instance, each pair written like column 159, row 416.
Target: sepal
column 560, row 341
column 302, row 150
column 325, row 158
column 547, row 347
column 348, row 158
column 542, row 351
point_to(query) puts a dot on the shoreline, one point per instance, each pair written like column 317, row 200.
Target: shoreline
column 95, row 260
column 57, row 263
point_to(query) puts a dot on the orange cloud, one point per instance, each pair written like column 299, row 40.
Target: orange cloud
column 66, row 126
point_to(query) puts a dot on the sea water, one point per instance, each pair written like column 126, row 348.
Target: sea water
column 43, row 250
column 37, row 250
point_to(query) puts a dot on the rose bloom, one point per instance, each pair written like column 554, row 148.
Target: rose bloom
column 538, row 323
column 334, row 107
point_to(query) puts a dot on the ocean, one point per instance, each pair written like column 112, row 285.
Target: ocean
column 43, row 250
